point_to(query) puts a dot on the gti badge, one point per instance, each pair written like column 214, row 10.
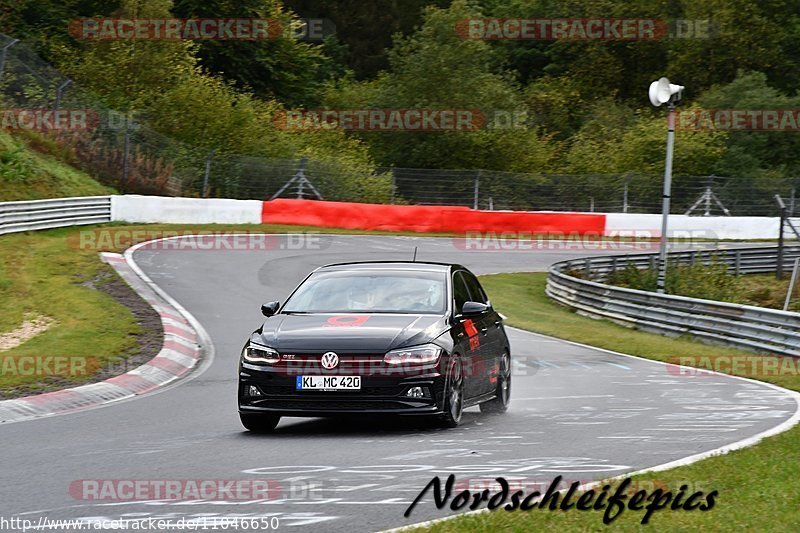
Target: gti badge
column 330, row 360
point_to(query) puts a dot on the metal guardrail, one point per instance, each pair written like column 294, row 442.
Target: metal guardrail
column 744, row 326
column 53, row 213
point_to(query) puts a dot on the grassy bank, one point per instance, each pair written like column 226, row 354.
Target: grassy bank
column 29, row 174
column 40, row 275
column 757, row 485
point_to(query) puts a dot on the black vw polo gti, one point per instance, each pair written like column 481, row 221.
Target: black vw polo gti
column 407, row 338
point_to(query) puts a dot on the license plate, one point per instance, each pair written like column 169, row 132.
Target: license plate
column 328, row 383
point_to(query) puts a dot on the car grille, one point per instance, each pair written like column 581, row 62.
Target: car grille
column 349, row 364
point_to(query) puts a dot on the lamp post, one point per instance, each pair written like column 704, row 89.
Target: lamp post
column 664, row 92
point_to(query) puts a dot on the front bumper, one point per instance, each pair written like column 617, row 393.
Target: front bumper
column 379, row 394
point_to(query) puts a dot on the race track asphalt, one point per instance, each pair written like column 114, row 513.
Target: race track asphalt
column 576, row 411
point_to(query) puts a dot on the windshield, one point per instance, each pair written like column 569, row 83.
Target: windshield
column 370, row 292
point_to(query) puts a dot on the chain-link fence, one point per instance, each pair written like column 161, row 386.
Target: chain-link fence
column 625, row 193
column 134, row 158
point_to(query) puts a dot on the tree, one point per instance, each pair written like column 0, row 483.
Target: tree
column 365, row 29
column 129, row 74
column 284, row 68
column 434, row 68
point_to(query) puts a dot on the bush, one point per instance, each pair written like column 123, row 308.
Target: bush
column 709, row 281
column 15, row 164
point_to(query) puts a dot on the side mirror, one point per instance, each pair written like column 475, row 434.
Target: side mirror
column 474, row 308
column 270, row 308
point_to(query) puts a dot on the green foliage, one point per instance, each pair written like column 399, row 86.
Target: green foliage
column 583, row 102
column 435, row 68
column 27, row 174
column 758, row 161
column 207, row 112
column 15, row 165
column 346, row 179
column 365, row 29
column 554, row 105
column 128, row 74
column 746, row 35
column 190, row 109
column 618, row 139
column 709, row 281
column 283, row 68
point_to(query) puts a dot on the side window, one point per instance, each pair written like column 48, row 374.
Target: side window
column 460, row 292
column 475, row 289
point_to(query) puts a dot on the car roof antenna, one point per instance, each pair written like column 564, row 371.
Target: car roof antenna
column 415, row 255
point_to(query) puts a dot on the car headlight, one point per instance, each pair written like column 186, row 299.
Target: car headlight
column 415, row 355
column 260, row 355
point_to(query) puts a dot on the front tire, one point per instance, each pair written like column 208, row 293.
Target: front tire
column 499, row 404
column 258, row 423
column 454, row 396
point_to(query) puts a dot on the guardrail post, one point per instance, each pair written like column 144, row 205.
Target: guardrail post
column 207, row 173
column 625, row 193
column 587, row 267
column 791, row 284
column 476, row 190
column 779, row 266
column 126, row 148
column 738, row 262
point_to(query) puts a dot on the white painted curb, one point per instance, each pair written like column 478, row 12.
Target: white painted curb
column 185, row 345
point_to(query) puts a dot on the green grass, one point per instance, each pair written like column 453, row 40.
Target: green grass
column 712, row 282
column 764, row 290
column 28, row 174
column 41, row 275
column 758, row 486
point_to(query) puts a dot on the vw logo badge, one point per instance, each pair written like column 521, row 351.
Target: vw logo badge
column 330, row 360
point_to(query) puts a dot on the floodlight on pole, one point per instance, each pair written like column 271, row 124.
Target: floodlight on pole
column 664, row 92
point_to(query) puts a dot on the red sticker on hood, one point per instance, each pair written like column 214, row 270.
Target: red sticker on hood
column 347, row 320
